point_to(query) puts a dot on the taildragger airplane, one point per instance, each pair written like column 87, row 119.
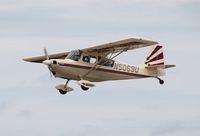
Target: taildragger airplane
column 97, row 64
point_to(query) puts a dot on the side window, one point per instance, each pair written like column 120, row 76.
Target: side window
column 110, row 63
column 89, row 59
column 93, row 59
column 107, row 62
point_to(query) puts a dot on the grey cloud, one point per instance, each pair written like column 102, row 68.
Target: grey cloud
column 176, row 127
column 3, row 106
column 24, row 113
column 95, row 18
column 167, row 129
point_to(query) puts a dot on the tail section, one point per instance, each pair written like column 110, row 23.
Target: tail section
column 156, row 57
column 154, row 63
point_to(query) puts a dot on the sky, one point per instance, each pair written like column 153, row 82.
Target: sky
column 29, row 103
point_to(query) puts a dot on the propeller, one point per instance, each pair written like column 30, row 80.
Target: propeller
column 48, row 62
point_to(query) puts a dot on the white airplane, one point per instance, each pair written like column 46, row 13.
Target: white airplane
column 97, row 64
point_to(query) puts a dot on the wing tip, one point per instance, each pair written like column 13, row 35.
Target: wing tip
column 144, row 40
column 26, row 59
column 33, row 60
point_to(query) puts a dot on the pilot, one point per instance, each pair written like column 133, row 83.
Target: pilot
column 86, row 59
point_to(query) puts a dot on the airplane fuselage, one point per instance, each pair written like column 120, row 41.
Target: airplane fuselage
column 75, row 70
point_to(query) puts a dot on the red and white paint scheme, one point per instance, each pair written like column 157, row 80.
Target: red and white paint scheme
column 97, row 64
column 155, row 57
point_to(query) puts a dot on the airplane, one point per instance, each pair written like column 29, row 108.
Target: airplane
column 96, row 64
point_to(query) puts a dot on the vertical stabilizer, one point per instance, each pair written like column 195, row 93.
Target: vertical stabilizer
column 156, row 57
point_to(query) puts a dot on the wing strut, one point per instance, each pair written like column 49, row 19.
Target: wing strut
column 97, row 64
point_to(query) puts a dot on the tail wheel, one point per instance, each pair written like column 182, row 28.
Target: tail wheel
column 161, row 81
column 84, row 88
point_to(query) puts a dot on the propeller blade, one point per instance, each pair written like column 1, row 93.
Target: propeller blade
column 46, row 54
column 48, row 63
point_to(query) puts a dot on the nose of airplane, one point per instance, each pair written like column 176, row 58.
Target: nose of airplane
column 46, row 62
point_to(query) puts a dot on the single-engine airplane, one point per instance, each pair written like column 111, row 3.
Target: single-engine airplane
column 96, row 64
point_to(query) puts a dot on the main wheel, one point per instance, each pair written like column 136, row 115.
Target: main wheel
column 62, row 92
column 161, row 81
column 84, row 88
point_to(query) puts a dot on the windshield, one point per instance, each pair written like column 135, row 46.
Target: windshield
column 74, row 55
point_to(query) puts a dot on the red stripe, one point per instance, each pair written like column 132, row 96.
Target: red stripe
column 106, row 70
column 158, row 57
column 154, row 51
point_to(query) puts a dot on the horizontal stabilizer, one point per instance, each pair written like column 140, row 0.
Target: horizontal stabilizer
column 161, row 66
column 169, row 66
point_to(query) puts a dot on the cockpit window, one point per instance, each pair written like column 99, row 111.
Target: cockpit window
column 74, row 55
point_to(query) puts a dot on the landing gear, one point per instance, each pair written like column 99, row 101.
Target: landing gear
column 66, row 83
column 160, row 80
column 85, row 84
column 84, row 88
column 63, row 88
column 64, row 91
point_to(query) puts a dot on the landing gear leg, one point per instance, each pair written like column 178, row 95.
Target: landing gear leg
column 63, row 92
column 160, row 80
column 66, row 83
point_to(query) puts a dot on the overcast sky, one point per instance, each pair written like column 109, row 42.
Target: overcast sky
column 29, row 103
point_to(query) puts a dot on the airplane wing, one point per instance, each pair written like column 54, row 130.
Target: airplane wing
column 40, row 59
column 118, row 46
column 104, row 49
